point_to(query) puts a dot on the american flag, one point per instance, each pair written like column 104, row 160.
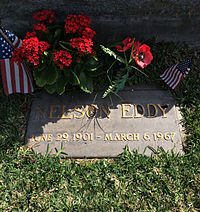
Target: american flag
column 16, row 78
column 173, row 75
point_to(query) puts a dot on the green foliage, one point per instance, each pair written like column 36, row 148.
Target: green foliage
column 119, row 75
column 117, row 84
column 111, row 53
column 60, row 84
column 86, row 83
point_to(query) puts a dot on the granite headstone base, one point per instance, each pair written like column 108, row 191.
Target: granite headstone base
column 87, row 126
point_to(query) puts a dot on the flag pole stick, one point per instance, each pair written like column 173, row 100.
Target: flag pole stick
column 7, row 39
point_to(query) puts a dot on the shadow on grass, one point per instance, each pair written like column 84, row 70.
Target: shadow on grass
column 13, row 112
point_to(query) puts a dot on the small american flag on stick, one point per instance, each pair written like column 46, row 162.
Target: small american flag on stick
column 173, row 75
column 16, row 77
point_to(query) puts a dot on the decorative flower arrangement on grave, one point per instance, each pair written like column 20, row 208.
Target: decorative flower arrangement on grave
column 63, row 56
column 60, row 55
column 129, row 53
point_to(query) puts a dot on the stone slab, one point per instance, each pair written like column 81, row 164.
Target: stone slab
column 114, row 20
column 89, row 126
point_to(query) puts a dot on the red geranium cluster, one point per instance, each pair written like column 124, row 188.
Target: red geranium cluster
column 31, row 49
column 79, row 35
column 45, row 15
column 40, row 27
column 62, row 58
column 88, row 33
column 80, row 24
column 30, row 34
column 77, row 23
column 82, row 44
column 141, row 53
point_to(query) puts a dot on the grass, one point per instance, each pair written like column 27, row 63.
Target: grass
column 132, row 182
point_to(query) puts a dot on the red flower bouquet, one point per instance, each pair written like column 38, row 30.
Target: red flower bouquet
column 132, row 53
column 63, row 56
column 60, row 56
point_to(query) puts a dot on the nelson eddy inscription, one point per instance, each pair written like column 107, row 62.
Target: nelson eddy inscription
column 102, row 128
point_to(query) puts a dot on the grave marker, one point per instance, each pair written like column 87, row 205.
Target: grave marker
column 89, row 126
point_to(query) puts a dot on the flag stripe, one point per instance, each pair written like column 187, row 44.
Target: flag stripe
column 17, row 42
column 172, row 79
column 168, row 71
column 176, row 80
column 168, row 76
column 173, row 75
column 8, row 75
column 12, row 74
column 3, row 75
column 178, row 83
column 163, row 76
column 187, row 72
column 30, row 87
column 16, row 77
column 25, row 80
column 28, row 73
column 17, row 82
column 21, row 79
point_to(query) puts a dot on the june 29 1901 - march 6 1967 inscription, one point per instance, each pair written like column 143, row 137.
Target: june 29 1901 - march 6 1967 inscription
column 89, row 126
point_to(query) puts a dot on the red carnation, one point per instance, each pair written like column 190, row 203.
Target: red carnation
column 143, row 56
column 62, row 58
column 128, row 42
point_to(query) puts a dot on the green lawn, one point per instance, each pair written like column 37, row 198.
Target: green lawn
column 132, row 182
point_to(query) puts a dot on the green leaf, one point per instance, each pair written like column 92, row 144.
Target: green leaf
column 75, row 79
column 92, row 65
column 57, row 34
column 40, row 67
column 121, row 83
column 86, row 83
column 51, row 88
column 64, row 42
column 78, row 68
column 45, row 53
column 53, row 75
column 54, row 27
column 117, row 84
column 41, row 77
column 67, row 74
column 60, row 85
column 64, row 47
column 109, row 90
column 50, row 38
column 140, row 71
column 95, row 73
column 111, row 53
